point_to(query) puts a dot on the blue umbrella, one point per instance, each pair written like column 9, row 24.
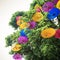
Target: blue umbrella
column 53, row 13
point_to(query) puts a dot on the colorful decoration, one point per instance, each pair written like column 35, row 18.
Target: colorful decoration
column 22, row 39
column 32, row 24
column 37, row 17
column 16, row 47
column 38, row 8
column 57, row 35
column 19, row 22
column 24, row 32
column 37, row 32
column 47, row 6
column 58, row 4
column 24, row 25
column 55, row 1
column 17, row 56
column 53, row 13
column 48, row 33
column 18, row 18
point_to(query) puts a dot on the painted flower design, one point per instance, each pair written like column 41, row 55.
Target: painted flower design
column 17, row 56
column 24, row 25
column 47, row 6
column 24, row 32
column 55, row 1
column 38, row 8
column 19, row 22
column 57, row 35
column 48, row 33
column 18, row 18
column 37, row 17
column 53, row 13
column 32, row 24
column 16, row 47
column 58, row 4
column 22, row 39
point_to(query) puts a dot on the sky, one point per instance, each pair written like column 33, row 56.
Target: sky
column 7, row 8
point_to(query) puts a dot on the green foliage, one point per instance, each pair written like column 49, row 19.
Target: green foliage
column 49, row 49
column 13, row 19
column 41, row 1
column 33, row 4
column 37, row 47
column 12, row 38
column 28, row 15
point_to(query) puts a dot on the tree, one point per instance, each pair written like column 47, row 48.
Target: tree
column 38, row 32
